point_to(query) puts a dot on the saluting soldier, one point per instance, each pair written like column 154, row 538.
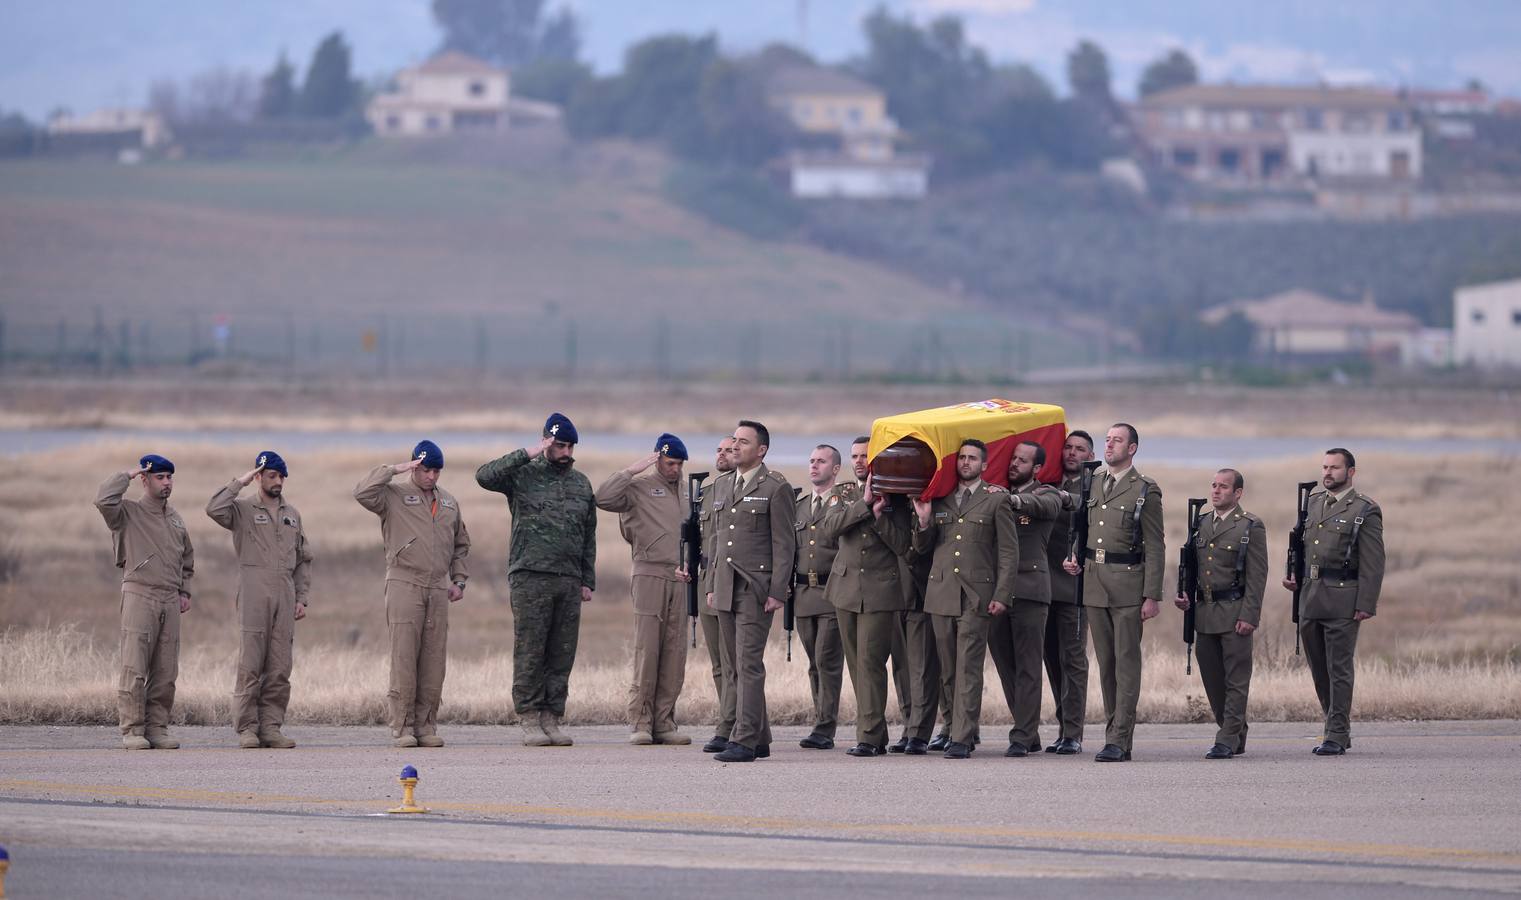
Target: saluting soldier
column 648, row 497
column 1018, row 632
column 723, row 464
column 971, row 535
column 274, row 584
column 869, row 588
column 1231, row 544
column 1344, row 568
column 1123, row 560
column 817, row 625
column 426, row 546
column 157, row 562
column 1066, row 648
column 752, row 570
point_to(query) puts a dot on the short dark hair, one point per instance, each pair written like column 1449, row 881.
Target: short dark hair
column 1135, row 438
column 863, row 439
column 833, row 451
column 761, row 434
column 1240, row 481
column 1040, row 452
column 1345, row 454
column 1078, row 432
column 973, row 442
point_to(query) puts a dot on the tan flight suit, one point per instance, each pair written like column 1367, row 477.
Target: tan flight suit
column 817, row 625
column 755, row 542
column 1018, row 637
column 975, row 561
column 711, row 638
column 650, row 511
column 426, row 545
column 1066, row 648
column 274, row 576
column 157, row 562
column 870, row 589
column 1344, row 569
column 1233, row 570
column 1123, row 566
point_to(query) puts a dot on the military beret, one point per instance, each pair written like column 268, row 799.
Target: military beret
column 155, row 463
column 670, row 445
column 269, row 459
column 428, row 452
column 560, row 428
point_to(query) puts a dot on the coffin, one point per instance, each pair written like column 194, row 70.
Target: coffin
column 915, row 453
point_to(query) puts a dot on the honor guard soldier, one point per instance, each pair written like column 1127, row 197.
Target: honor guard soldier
column 157, row 562
column 1066, row 650
column 1231, row 547
column 426, row 546
column 723, row 464
column 817, row 624
column 274, row 583
column 1344, row 569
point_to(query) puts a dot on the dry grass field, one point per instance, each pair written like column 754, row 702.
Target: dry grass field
column 1446, row 642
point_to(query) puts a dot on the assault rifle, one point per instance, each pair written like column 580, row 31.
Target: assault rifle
column 789, row 608
column 1188, row 580
column 691, row 548
column 1296, row 566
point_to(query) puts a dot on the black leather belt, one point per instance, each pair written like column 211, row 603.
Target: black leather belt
column 1225, row 594
column 813, row 579
column 1116, row 559
column 1332, row 574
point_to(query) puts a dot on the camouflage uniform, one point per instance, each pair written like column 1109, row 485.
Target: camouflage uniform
column 553, row 555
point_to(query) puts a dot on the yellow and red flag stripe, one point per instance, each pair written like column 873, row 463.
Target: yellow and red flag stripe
column 1001, row 424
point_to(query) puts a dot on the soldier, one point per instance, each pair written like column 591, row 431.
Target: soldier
column 426, row 543
column 1019, row 626
column 869, row 589
column 1231, row 544
column 1066, row 635
column 648, row 498
column 723, row 464
column 752, row 568
column 551, row 570
column 1344, row 568
column 1123, row 560
column 157, row 562
column 274, row 582
column 817, row 624
column 975, row 560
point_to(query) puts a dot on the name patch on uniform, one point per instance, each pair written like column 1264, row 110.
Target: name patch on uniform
column 657, row 492
column 412, row 500
column 760, row 499
column 261, row 519
column 942, row 517
column 178, row 522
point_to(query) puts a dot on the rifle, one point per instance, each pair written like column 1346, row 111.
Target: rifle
column 1188, row 580
column 1296, row 553
column 789, row 608
column 691, row 547
column 1079, row 529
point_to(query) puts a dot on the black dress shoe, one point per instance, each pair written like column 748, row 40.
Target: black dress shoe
column 716, row 744
column 816, row 742
column 916, row 747
column 1069, row 747
column 1219, row 751
column 1017, row 750
column 1055, row 746
column 941, row 741
column 864, row 749
column 762, row 751
column 899, row 745
column 736, row 753
column 958, row 750
column 1329, row 748
column 1112, row 753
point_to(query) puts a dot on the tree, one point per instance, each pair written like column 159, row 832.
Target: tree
column 1176, row 69
column 551, row 80
column 737, row 124
column 661, row 77
column 1088, row 73
column 932, row 77
column 508, row 32
column 329, row 90
column 277, row 92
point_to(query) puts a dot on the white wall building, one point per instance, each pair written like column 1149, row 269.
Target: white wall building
column 1350, row 154
column 818, row 176
column 1486, row 325
column 452, row 92
column 147, row 124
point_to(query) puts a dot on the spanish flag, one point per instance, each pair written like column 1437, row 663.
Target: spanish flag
column 1001, row 424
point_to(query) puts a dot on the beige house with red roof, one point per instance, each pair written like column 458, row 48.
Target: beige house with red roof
column 452, row 92
column 1304, row 324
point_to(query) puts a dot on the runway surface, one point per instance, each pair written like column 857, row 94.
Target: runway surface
column 1414, row 810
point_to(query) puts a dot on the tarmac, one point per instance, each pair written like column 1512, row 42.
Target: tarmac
column 1427, row 809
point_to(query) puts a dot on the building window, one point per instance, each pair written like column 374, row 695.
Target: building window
column 1230, row 160
column 1477, row 316
column 393, row 123
column 1397, row 121
column 1314, row 119
column 1515, row 317
column 431, row 123
column 1185, row 157
column 477, row 89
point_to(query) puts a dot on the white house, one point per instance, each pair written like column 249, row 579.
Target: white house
column 142, row 126
column 824, row 175
column 452, row 92
column 1486, row 325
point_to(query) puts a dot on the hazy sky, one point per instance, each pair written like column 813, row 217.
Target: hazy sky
column 89, row 53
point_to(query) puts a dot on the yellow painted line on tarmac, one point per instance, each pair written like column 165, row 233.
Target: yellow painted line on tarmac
column 729, row 823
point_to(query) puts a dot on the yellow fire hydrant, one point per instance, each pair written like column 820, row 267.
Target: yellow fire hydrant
column 408, row 787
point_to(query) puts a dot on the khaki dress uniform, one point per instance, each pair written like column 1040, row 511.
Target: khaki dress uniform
column 1017, row 638
column 1233, row 570
column 817, row 626
column 1066, row 650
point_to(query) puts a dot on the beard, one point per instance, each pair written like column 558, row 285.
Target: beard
column 563, row 463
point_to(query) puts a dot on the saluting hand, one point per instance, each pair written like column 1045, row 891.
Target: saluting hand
column 544, row 443
column 409, row 465
column 643, row 464
column 247, row 477
column 139, row 472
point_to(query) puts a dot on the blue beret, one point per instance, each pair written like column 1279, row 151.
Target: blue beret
column 560, row 428
column 428, row 452
column 670, row 445
column 271, row 460
column 155, row 463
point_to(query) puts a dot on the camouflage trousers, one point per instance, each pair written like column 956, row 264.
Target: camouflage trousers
column 546, row 622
